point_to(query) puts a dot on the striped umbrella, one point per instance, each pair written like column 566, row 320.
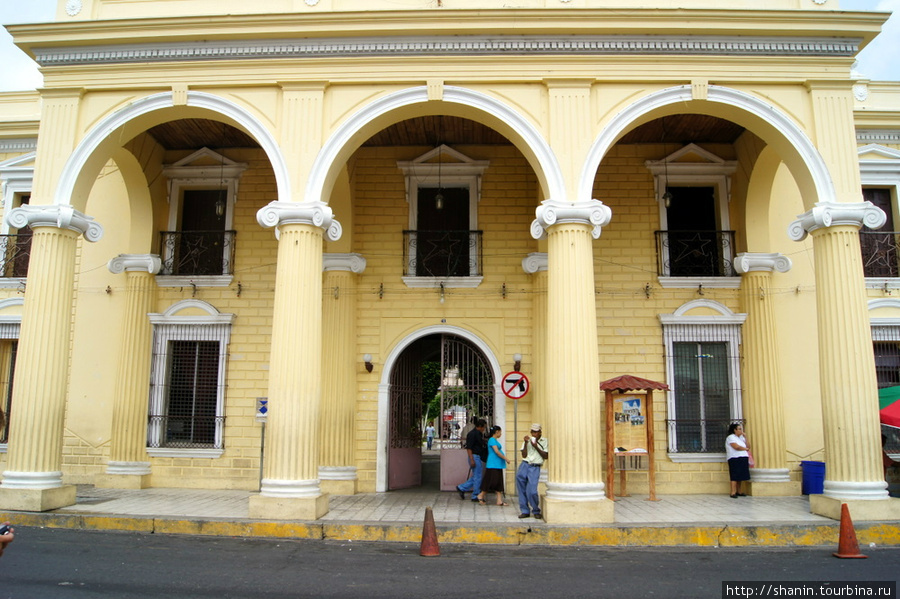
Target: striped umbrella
column 889, row 404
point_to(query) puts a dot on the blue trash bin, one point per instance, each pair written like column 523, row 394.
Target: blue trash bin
column 813, row 477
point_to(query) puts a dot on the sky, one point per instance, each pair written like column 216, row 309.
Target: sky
column 19, row 73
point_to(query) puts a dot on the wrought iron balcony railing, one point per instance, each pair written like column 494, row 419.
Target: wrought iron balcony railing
column 185, row 431
column 15, row 253
column 698, row 436
column 197, row 253
column 442, row 253
column 695, row 253
column 879, row 253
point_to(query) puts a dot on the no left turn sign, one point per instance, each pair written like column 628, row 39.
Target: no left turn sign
column 515, row 385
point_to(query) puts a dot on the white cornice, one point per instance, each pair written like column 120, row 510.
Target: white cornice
column 9, row 146
column 455, row 45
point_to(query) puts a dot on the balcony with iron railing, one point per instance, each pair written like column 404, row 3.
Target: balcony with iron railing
column 15, row 254
column 879, row 253
column 197, row 253
column 695, row 253
column 442, row 254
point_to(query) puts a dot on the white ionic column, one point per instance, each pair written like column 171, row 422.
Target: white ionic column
column 337, row 469
column 853, row 469
column 128, row 466
column 290, row 485
column 575, row 489
column 33, row 480
column 763, row 402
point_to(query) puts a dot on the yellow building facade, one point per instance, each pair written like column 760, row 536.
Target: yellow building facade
column 235, row 240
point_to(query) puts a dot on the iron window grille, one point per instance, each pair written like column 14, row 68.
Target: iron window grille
column 15, row 254
column 442, row 253
column 695, row 253
column 879, row 253
column 197, row 253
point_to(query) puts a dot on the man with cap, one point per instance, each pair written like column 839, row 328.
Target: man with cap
column 534, row 453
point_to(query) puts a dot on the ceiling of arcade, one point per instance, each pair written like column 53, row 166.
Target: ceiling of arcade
column 189, row 134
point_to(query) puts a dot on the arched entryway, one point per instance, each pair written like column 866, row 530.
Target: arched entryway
column 441, row 378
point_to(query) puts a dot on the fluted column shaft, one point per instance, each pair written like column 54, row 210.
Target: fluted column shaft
column 847, row 365
column 128, row 465
column 340, row 364
column 290, row 485
column 39, row 391
column 763, row 400
column 295, row 376
column 536, row 265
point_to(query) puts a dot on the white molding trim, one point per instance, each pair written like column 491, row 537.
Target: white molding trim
column 194, row 281
column 55, row 215
column 134, row 263
column 855, row 490
column 535, row 262
column 699, row 282
column 553, row 212
column 832, row 214
column 314, row 213
column 466, row 45
column 381, row 451
column 294, row 489
column 695, row 458
column 763, row 109
column 128, row 468
column 527, row 133
column 878, row 136
column 436, row 282
column 31, row 480
column 759, row 262
column 17, row 178
column 114, row 121
column 15, row 145
column 576, row 491
column 351, row 262
column 770, row 475
column 337, row 473
column 184, row 452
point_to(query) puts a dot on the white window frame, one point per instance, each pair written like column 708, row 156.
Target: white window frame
column 723, row 326
column 214, row 172
column 445, row 167
column 710, row 171
column 883, row 172
column 169, row 326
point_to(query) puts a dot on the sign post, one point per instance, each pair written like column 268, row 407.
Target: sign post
column 515, row 385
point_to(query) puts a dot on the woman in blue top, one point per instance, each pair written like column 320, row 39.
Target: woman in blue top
column 496, row 468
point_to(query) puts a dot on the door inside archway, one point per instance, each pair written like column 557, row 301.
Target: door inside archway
column 445, row 381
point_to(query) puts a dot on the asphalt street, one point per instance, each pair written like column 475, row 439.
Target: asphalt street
column 55, row 563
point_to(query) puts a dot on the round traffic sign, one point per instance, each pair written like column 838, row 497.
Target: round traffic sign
column 514, row 384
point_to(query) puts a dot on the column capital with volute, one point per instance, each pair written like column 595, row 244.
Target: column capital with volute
column 134, row 263
column 535, row 262
column 830, row 214
column 317, row 214
column 757, row 262
column 60, row 216
column 352, row 262
column 555, row 212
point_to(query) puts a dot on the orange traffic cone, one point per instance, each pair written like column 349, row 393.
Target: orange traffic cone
column 848, row 547
column 429, row 545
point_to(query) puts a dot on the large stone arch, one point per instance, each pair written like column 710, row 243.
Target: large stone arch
column 381, row 454
column 101, row 142
column 455, row 101
column 773, row 126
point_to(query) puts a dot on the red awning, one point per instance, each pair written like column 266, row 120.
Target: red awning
column 627, row 382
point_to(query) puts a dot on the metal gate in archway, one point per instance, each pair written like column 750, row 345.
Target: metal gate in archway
column 464, row 390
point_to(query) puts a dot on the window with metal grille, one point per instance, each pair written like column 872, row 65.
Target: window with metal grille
column 190, row 418
column 187, row 382
column 702, row 396
column 704, row 377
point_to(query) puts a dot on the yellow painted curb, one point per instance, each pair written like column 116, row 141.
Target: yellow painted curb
column 784, row 535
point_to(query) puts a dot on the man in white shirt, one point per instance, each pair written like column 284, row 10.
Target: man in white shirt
column 534, row 452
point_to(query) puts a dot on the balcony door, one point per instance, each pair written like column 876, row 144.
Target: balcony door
column 692, row 232
column 442, row 232
column 202, row 231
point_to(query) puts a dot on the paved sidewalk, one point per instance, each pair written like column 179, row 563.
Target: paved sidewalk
column 705, row 520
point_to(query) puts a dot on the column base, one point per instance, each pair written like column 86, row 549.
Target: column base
column 860, row 509
column 562, row 511
column 774, row 489
column 122, row 481
column 288, row 508
column 37, row 500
